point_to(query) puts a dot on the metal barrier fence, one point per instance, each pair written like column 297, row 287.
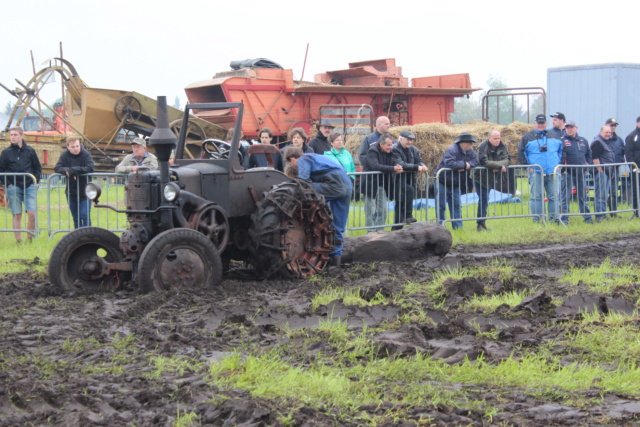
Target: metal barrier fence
column 383, row 200
column 19, row 186
column 480, row 194
column 66, row 212
column 594, row 192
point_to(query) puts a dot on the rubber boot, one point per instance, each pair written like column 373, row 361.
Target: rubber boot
column 335, row 261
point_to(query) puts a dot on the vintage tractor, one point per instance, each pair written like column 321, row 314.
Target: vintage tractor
column 189, row 220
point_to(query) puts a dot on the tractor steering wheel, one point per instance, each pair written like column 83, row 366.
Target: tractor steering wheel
column 216, row 148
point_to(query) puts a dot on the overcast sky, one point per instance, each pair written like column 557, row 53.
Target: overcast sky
column 159, row 47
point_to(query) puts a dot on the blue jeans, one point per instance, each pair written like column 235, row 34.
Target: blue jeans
column 80, row 211
column 602, row 184
column 376, row 210
column 336, row 187
column 404, row 198
column 16, row 196
column 483, row 201
column 540, row 185
column 575, row 177
column 450, row 196
column 614, row 198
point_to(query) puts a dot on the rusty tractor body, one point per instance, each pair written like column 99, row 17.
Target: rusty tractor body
column 189, row 220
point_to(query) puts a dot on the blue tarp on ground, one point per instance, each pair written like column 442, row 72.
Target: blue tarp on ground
column 467, row 199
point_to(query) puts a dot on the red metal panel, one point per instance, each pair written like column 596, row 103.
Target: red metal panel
column 256, row 87
column 457, row 81
column 429, row 109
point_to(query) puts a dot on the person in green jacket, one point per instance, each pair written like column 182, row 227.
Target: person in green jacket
column 340, row 154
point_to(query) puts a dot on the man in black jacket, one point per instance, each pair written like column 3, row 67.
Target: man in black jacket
column 21, row 158
column 74, row 163
column 559, row 121
column 602, row 154
column 320, row 143
column 380, row 188
column 617, row 145
column 382, row 127
column 575, row 151
column 406, row 155
column 632, row 153
column 493, row 157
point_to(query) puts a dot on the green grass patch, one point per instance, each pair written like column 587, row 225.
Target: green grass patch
column 606, row 278
column 602, row 343
column 435, row 289
column 489, row 303
column 186, row 419
column 413, row 381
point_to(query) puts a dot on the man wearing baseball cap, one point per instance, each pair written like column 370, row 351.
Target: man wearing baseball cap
column 139, row 158
column 541, row 147
column 575, row 151
column 559, row 122
column 617, row 146
column 632, row 152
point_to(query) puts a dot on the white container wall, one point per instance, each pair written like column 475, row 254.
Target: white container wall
column 590, row 94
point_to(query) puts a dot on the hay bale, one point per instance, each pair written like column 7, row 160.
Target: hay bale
column 432, row 139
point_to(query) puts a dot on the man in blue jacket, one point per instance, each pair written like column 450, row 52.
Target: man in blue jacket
column 541, row 147
column 21, row 158
column 329, row 179
column 456, row 162
column 575, row 151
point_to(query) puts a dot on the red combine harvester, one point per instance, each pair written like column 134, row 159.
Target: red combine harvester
column 351, row 98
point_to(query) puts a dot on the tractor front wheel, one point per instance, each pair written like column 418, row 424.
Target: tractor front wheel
column 179, row 258
column 77, row 261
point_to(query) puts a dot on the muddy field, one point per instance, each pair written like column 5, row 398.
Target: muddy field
column 84, row 359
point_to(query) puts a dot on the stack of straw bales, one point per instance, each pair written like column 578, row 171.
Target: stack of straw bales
column 432, row 139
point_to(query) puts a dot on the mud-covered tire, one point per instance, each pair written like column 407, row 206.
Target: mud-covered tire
column 73, row 254
column 291, row 232
column 179, row 258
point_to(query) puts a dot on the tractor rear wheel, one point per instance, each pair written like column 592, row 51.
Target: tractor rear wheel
column 179, row 258
column 77, row 261
column 291, row 232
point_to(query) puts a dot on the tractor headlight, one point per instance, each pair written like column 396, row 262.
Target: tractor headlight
column 92, row 190
column 171, row 191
